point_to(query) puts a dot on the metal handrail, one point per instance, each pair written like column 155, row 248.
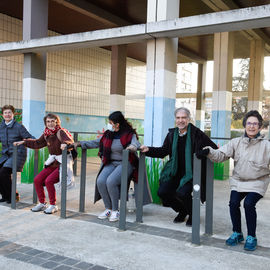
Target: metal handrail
column 14, row 176
column 197, row 164
column 124, row 189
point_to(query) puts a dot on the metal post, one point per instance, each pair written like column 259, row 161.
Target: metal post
column 141, row 178
column 64, row 184
column 83, row 180
column 209, row 197
column 123, row 195
column 14, row 177
column 196, row 200
column 75, row 161
column 35, row 174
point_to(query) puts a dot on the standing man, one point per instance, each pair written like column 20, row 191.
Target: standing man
column 10, row 132
column 175, row 181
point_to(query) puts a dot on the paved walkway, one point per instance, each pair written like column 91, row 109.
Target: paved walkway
column 38, row 241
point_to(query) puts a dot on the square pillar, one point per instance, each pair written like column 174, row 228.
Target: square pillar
column 255, row 81
column 35, row 25
column 200, row 96
column 161, row 75
column 118, row 78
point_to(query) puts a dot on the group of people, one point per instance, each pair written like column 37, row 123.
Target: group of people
column 250, row 179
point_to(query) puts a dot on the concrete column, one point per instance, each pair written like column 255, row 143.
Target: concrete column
column 161, row 75
column 200, row 99
column 222, row 86
column 255, row 81
column 35, row 25
column 118, row 78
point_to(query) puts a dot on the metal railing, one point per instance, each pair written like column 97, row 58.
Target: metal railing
column 14, row 176
column 124, row 190
column 63, row 180
column 196, row 195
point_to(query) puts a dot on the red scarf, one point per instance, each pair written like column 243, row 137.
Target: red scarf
column 48, row 132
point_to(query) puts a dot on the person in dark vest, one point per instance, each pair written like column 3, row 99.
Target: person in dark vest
column 10, row 132
column 120, row 135
column 180, row 144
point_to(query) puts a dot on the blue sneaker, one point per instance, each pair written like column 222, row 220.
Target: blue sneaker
column 251, row 243
column 234, row 239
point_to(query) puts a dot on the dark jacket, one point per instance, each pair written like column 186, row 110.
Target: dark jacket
column 198, row 140
column 8, row 135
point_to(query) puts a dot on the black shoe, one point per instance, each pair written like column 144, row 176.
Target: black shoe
column 2, row 200
column 189, row 221
column 17, row 197
column 180, row 218
column 8, row 201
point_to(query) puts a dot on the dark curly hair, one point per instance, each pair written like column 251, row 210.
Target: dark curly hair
column 253, row 113
column 118, row 117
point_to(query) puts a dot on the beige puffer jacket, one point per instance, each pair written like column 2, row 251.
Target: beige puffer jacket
column 251, row 163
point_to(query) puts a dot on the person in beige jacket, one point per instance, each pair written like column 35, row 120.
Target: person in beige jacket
column 250, row 178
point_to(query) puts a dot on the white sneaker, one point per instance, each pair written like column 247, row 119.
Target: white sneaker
column 51, row 209
column 114, row 216
column 105, row 214
column 39, row 207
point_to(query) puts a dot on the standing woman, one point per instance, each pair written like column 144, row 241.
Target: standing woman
column 250, row 178
column 53, row 137
column 10, row 132
column 119, row 136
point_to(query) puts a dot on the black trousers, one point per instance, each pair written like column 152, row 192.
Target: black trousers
column 5, row 182
column 179, row 201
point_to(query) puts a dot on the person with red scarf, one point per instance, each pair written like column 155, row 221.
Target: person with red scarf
column 120, row 135
column 53, row 137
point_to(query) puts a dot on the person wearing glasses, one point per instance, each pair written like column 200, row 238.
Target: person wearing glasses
column 250, row 178
column 176, row 179
column 55, row 138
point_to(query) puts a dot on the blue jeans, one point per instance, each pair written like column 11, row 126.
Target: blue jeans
column 251, row 198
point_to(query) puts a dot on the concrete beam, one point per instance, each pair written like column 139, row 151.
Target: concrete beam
column 221, row 5
column 99, row 38
column 266, row 93
column 93, row 11
column 225, row 21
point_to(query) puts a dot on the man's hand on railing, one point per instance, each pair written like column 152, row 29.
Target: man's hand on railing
column 144, row 148
column 202, row 153
column 18, row 143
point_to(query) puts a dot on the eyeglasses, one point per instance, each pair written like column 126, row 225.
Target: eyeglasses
column 255, row 124
column 51, row 121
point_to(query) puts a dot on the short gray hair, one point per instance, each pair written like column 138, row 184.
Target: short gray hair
column 187, row 111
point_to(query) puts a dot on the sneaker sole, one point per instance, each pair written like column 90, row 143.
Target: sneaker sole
column 113, row 220
column 235, row 244
column 102, row 218
column 49, row 213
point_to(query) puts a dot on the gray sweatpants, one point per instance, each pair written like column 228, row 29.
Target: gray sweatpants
column 108, row 183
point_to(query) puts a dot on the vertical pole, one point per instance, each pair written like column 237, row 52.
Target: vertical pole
column 209, row 197
column 64, row 184
column 14, row 177
column 123, row 195
column 139, row 206
column 196, row 200
column 35, row 174
column 75, row 161
column 83, row 180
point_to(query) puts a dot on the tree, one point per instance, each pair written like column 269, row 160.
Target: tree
column 239, row 84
